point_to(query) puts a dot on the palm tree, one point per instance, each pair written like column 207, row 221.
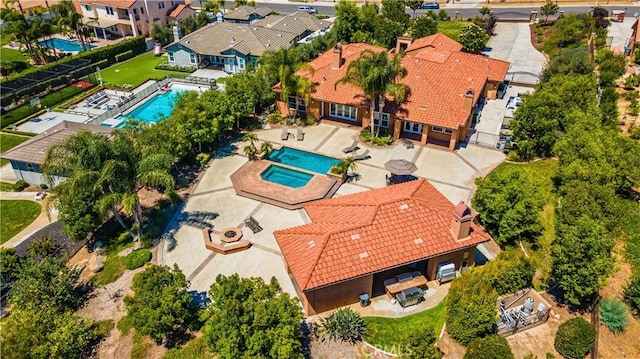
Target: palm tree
column 266, row 147
column 376, row 74
column 69, row 18
column 18, row 26
column 250, row 137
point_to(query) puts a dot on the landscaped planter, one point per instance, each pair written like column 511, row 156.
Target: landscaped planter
column 339, row 177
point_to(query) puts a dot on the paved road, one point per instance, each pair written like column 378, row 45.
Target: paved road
column 515, row 12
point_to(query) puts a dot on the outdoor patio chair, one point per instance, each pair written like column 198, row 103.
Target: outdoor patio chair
column 353, row 147
column 285, row 133
column 252, row 224
column 362, row 156
column 300, row 134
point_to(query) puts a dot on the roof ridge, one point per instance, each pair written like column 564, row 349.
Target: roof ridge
column 314, row 264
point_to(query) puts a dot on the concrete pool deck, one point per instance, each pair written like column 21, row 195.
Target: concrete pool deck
column 452, row 173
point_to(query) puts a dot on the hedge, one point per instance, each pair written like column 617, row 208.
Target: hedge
column 489, row 347
column 575, row 338
column 124, row 56
column 137, row 258
column 168, row 66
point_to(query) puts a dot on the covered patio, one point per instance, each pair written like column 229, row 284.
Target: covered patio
column 107, row 29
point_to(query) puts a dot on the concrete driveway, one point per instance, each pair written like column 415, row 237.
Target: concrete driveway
column 512, row 43
column 452, row 173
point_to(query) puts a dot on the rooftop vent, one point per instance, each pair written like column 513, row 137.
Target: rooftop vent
column 404, row 206
column 363, row 255
column 355, row 236
column 458, row 60
column 229, row 28
column 311, row 244
column 418, row 240
column 279, row 35
column 423, row 106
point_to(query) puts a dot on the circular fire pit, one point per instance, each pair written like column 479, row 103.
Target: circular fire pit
column 230, row 235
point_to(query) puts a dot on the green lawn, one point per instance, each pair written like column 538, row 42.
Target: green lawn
column 388, row 333
column 452, row 28
column 16, row 216
column 541, row 173
column 13, row 55
column 137, row 70
column 8, row 142
column 6, row 187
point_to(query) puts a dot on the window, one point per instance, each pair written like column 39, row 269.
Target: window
column 142, row 10
column 171, row 58
column 109, row 10
column 135, row 12
column 302, row 106
column 192, row 58
column 413, row 127
column 343, row 111
column 87, row 7
column 30, row 167
column 385, row 120
column 161, row 5
column 448, row 131
column 241, row 63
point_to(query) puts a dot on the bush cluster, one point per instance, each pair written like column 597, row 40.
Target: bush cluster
column 20, row 185
column 489, row 347
column 614, row 314
column 171, row 67
column 383, row 139
column 124, row 56
column 575, row 338
column 137, row 258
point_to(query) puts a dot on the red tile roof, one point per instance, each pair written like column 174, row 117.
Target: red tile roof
column 176, row 12
column 370, row 231
column 439, row 75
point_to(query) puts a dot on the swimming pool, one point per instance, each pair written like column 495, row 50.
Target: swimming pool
column 303, row 159
column 64, row 45
column 156, row 109
column 285, row 176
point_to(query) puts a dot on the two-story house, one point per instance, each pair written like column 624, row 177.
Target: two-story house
column 117, row 18
column 445, row 84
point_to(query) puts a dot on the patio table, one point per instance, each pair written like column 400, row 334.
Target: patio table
column 395, row 288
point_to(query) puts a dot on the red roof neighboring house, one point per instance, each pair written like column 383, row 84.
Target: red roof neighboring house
column 439, row 76
column 371, row 231
column 181, row 12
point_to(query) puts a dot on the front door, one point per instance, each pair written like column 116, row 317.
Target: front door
column 230, row 65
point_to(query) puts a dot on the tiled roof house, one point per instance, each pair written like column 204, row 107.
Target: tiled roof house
column 357, row 241
column 247, row 14
column 445, row 85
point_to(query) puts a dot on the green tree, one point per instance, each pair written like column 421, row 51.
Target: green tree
column 424, row 26
column 162, row 34
column 347, row 20
column 47, row 283
column 510, row 272
column 632, row 291
column 368, row 18
column 413, row 5
column 161, row 302
column 509, row 206
column 377, row 75
column 490, row 347
column 575, row 338
column 420, row 344
column 614, row 314
column 345, row 325
column 251, row 319
column 570, row 30
column 394, row 10
column 484, row 11
column 473, row 38
column 549, row 8
column 10, row 264
column 71, row 20
column 387, row 32
column 471, row 307
column 43, row 332
column 581, row 259
column 251, row 90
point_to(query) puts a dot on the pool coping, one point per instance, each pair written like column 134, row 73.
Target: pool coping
column 247, row 182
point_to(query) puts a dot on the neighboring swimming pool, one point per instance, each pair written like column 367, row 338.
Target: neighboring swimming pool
column 156, row 109
column 64, row 45
column 303, row 159
column 286, row 176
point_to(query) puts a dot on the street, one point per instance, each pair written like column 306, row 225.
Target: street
column 516, row 12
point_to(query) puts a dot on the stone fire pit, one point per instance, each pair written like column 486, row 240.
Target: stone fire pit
column 230, row 235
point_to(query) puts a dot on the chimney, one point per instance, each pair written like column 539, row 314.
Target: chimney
column 468, row 100
column 402, row 42
column 461, row 222
column 337, row 56
column 177, row 33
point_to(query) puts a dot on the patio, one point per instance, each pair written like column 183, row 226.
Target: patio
column 452, row 173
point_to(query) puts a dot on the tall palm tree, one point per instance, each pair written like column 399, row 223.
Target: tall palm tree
column 377, row 75
column 18, row 26
column 69, row 18
column 302, row 88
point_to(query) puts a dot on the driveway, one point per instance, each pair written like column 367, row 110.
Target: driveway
column 452, row 173
column 512, row 43
column 619, row 33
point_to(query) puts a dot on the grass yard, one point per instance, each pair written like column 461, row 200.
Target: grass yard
column 8, row 142
column 13, row 55
column 16, row 216
column 541, row 173
column 452, row 28
column 6, row 187
column 137, row 70
column 114, row 265
column 388, row 333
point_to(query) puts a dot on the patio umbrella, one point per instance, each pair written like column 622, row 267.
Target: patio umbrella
column 400, row 167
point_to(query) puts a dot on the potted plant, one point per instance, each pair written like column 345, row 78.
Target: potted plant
column 340, row 170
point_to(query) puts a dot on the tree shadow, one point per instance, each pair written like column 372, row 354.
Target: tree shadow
column 178, row 337
column 353, row 177
column 197, row 219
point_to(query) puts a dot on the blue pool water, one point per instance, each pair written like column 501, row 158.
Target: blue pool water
column 285, row 176
column 303, row 159
column 156, row 109
column 64, row 44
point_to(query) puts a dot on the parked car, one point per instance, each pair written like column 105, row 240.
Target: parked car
column 430, row 6
column 309, row 9
column 40, row 196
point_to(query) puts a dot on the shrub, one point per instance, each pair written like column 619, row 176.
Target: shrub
column 490, row 347
column 168, row 66
column 443, row 16
column 203, row 159
column 420, row 345
column 43, row 186
column 344, row 324
column 635, row 134
column 575, row 338
column 274, row 117
column 20, row 185
column 150, row 234
column 137, row 258
column 614, row 314
column 632, row 81
column 309, row 121
column 124, row 56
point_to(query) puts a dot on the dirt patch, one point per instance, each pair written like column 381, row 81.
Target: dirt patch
column 450, row 348
column 149, row 197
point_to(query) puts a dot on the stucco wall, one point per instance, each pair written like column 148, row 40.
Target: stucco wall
column 181, row 56
column 322, row 300
column 455, row 257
